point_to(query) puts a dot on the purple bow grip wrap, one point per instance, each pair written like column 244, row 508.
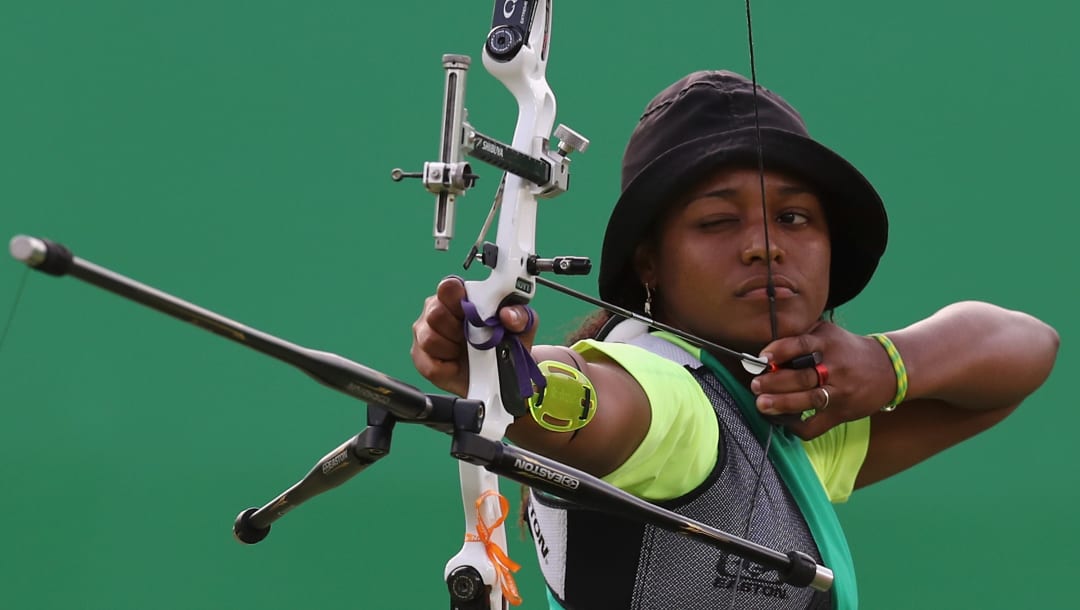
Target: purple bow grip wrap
column 525, row 367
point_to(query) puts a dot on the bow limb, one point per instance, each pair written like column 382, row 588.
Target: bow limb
column 509, row 281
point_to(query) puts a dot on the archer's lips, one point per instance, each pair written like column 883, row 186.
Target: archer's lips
column 763, row 293
column 757, row 288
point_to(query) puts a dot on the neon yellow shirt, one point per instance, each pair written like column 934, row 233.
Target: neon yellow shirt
column 680, row 448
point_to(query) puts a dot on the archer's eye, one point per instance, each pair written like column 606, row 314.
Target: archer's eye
column 793, row 218
column 715, row 222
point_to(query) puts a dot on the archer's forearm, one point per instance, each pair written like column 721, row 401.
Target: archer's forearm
column 976, row 355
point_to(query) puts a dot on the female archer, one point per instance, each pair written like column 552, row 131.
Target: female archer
column 736, row 226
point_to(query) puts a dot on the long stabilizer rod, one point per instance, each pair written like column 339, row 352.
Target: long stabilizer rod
column 404, row 401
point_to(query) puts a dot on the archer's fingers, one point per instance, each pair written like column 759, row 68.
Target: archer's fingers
column 785, row 349
column 516, row 318
column 784, row 381
column 438, row 349
column 443, row 320
column 450, row 292
column 795, row 402
column 441, row 325
column 441, row 344
column 450, row 375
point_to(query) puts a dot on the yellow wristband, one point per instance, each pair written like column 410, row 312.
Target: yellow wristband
column 898, row 368
column 568, row 402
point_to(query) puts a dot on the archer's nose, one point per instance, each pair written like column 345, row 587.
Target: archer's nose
column 760, row 246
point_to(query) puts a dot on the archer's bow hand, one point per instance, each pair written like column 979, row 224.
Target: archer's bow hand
column 439, row 349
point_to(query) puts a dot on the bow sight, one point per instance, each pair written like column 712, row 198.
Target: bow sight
column 450, row 177
column 548, row 171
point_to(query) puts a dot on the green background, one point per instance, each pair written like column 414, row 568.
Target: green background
column 238, row 153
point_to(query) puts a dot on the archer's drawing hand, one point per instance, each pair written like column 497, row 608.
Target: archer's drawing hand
column 860, row 379
column 439, row 350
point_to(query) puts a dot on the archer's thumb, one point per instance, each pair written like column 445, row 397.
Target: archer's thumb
column 522, row 320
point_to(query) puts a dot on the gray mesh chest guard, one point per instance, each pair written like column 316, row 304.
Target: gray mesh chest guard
column 594, row 561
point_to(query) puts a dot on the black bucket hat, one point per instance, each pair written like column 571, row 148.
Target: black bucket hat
column 706, row 121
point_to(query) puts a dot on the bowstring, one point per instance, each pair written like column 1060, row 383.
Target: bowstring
column 770, row 288
column 770, row 291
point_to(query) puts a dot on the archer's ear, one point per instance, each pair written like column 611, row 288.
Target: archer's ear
column 645, row 264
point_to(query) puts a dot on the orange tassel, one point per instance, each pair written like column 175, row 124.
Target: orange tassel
column 504, row 566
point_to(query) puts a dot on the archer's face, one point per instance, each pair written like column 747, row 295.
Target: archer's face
column 709, row 269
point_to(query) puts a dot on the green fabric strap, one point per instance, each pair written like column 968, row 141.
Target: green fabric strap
column 789, row 458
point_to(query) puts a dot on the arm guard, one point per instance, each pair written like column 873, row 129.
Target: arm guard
column 568, row 402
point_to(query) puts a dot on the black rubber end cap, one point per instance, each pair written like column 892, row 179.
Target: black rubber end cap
column 245, row 531
column 57, row 259
column 801, row 571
